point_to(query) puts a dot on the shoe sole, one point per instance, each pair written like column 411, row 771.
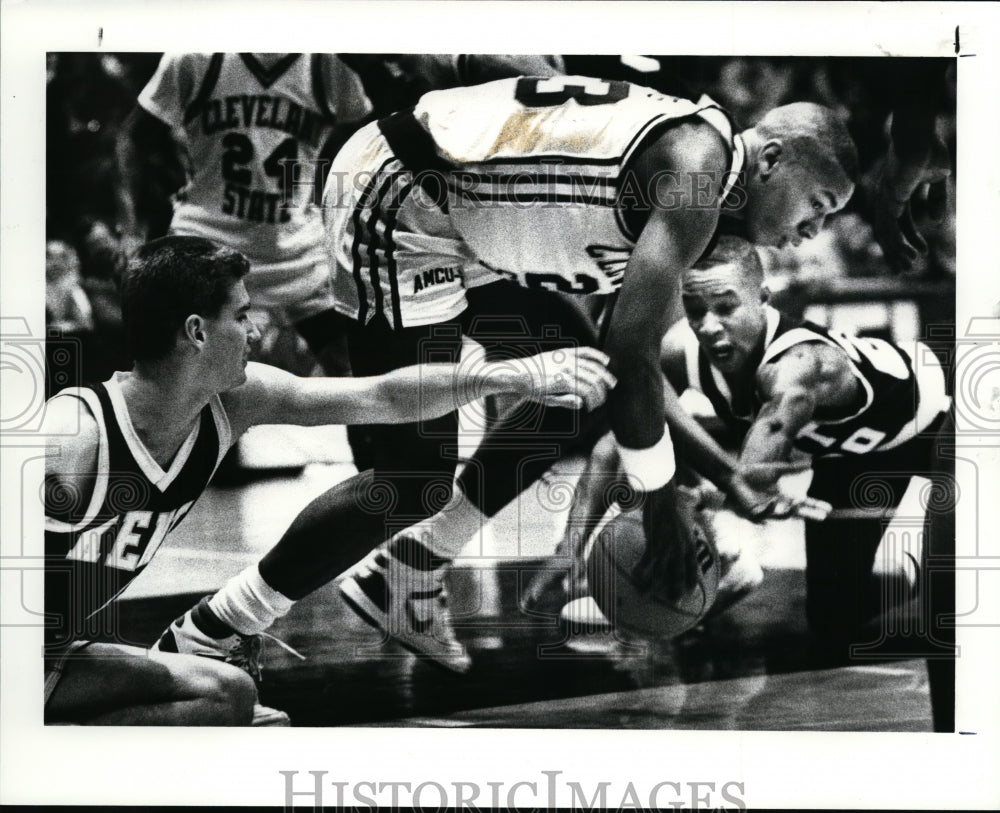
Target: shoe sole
column 264, row 717
column 355, row 598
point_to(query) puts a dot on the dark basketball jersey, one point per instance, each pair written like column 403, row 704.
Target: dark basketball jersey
column 902, row 389
column 135, row 504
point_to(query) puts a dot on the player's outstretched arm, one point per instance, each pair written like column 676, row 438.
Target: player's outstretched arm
column 750, row 488
column 671, row 241
column 793, row 387
column 565, row 378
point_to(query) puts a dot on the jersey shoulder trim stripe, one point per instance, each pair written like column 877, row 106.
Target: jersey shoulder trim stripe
column 223, row 429
column 803, row 335
column 319, row 89
column 932, row 394
column 89, row 397
column 208, row 83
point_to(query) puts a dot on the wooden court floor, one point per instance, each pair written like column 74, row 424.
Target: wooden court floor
column 751, row 668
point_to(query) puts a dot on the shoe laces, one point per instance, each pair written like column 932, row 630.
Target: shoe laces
column 246, row 653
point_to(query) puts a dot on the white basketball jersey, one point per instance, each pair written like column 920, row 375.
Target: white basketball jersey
column 541, row 181
column 253, row 128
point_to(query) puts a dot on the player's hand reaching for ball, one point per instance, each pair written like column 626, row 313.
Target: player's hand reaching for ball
column 764, row 475
column 669, row 563
column 752, row 492
column 572, row 377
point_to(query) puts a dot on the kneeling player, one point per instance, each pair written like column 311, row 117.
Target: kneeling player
column 129, row 458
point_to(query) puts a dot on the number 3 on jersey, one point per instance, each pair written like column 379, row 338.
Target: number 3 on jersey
column 536, row 92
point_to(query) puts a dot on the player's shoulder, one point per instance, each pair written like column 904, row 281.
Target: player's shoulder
column 184, row 62
column 259, row 379
column 253, row 401
column 808, row 365
column 68, row 413
column 71, row 424
column 691, row 145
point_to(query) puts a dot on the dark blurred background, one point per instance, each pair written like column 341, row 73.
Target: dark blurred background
column 838, row 279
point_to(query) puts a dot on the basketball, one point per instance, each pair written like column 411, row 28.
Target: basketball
column 615, row 551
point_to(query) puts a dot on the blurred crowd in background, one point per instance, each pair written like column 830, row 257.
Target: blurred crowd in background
column 89, row 96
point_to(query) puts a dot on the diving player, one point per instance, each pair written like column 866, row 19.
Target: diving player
column 128, row 459
column 857, row 407
column 566, row 183
column 255, row 132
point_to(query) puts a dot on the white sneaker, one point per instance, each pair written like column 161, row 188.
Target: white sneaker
column 584, row 612
column 897, row 564
column 242, row 651
column 409, row 605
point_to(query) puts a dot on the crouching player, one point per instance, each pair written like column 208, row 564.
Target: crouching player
column 129, row 457
column 859, row 408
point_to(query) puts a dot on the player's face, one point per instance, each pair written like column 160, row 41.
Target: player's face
column 725, row 312
column 793, row 201
column 230, row 336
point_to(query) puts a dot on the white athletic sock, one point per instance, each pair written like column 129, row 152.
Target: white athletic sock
column 248, row 604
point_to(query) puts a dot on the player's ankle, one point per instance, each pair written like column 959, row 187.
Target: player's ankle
column 408, row 550
column 208, row 623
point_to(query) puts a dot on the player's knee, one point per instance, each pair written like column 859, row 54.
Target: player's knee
column 228, row 696
column 241, row 695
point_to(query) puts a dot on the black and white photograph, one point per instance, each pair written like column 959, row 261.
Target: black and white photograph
column 572, row 422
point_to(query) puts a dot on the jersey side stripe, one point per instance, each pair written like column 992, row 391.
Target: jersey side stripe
column 208, row 83
column 363, row 200
column 564, row 160
column 536, row 197
column 533, row 176
column 373, row 242
column 390, row 249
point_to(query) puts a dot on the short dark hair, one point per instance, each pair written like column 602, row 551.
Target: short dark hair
column 814, row 132
column 166, row 281
column 732, row 250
